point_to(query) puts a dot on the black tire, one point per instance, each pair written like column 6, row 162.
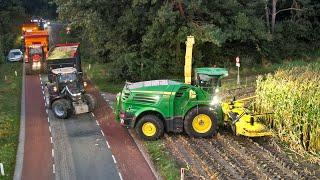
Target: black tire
column 155, row 121
column 207, row 131
column 91, row 101
column 61, row 108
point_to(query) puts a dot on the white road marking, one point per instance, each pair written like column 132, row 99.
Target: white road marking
column 47, row 111
column 114, row 159
column 92, row 114
column 97, row 123
column 44, row 98
column 50, row 129
column 120, row 176
column 52, row 153
column 108, row 144
column 53, row 169
column 1, row 169
column 102, row 133
column 48, row 119
column 51, row 140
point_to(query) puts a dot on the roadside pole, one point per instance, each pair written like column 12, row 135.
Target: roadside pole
column 1, row 169
column 238, row 65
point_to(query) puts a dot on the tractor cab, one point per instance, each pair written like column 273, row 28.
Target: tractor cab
column 68, row 78
column 209, row 79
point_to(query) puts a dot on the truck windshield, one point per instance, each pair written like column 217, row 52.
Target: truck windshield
column 35, row 50
column 64, row 78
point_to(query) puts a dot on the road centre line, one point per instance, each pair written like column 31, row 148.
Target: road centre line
column 48, row 119
column 102, row 133
column 51, row 140
column 50, row 129
column 53, row 169
column 92, row 114
column 108, row 144
column 52, row 153
column 120, row 176
column 114, row 159
column 97, row 123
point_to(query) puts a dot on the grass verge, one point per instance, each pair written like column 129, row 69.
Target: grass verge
column 162, row 159
column 10, row 95
column 164, row 163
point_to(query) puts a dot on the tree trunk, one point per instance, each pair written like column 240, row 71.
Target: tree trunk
column 274, row 14
column 267, row 16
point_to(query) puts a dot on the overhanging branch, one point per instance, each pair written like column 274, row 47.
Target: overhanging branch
column 288, row 10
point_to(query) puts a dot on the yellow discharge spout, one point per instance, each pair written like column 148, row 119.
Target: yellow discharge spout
column 188, row 60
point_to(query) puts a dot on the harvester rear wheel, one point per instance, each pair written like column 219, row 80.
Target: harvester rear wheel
column 149, row 128
column 200, row 122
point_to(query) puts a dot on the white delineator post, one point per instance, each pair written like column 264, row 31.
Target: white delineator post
column 238, row 65
column 1, row 169
column 182, row 173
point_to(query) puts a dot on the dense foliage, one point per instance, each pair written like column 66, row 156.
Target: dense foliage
column 144, row 39
column 292, row 94
column 11, row 16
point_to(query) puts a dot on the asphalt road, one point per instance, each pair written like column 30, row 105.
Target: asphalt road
column 80, row 148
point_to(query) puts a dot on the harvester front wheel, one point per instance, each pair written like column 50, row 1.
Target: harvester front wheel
column 149, row 128
column 61, row 108
column 200, row 122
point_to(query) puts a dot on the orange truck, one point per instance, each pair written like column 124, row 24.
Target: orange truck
column 36, row 47
column 29, row 27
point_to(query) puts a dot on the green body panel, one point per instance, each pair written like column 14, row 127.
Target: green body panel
column 168, row 100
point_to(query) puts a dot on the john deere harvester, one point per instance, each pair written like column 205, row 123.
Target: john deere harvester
column 152, row 107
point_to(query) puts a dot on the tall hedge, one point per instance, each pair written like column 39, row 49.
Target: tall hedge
column 293, row 95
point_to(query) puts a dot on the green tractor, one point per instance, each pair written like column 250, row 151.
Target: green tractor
column 158, row 106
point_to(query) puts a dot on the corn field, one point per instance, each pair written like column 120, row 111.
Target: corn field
column 292, row 94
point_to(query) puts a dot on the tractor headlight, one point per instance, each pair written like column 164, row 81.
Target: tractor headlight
column 55, row 89
column 215, row 101
column 85, row 84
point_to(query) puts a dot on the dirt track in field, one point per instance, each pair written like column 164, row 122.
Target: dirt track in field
column 232, row 157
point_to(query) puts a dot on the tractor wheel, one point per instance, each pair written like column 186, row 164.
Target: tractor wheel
column 149, row 128
column 91, row 101
column 200, row 122
column 61, row 108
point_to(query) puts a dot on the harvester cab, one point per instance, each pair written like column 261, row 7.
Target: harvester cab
column 209, row 79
